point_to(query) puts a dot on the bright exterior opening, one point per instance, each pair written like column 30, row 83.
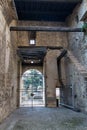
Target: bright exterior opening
column 32, row 42
column 32, row 90
column 58, row 96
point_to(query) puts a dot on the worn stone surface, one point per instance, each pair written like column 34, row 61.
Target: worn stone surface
column 45, row 119
column 8, row 10
column 8, row 68
column 78, row 46
column 43, row 38
column 51, row 76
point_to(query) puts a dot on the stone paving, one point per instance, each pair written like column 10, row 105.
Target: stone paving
column 45, row 119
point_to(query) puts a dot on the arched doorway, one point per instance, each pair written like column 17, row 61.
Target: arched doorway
column 32, row 89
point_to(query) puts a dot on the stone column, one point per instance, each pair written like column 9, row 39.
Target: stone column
column 51, row 77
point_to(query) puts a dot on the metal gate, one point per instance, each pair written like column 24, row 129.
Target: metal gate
column 33, row 95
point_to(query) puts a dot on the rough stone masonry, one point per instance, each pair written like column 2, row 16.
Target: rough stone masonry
column 73, row 66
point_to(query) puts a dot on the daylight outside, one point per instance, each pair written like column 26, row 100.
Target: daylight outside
column 32, row 89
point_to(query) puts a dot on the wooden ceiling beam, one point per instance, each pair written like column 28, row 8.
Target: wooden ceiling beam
column 67, row 1
column 45, row 28
column 39, row 47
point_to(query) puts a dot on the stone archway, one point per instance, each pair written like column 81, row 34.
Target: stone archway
column 38, row 68
column 32, row 89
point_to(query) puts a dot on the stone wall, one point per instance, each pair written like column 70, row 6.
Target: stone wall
column 75, row 93
column 78, row 46
column 43, row 38
column 8, row 10
column 50, row 66
column 78, row 86
column 8, row 65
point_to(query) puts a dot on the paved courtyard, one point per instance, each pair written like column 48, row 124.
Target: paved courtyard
column 45, row 119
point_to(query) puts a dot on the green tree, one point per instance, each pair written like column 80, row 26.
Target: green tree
column 34, row 78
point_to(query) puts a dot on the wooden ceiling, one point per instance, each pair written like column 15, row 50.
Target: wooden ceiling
column 44, row 10
column 32, row 55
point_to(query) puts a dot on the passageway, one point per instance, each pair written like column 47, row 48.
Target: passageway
column 45, row 119
column 49, row 36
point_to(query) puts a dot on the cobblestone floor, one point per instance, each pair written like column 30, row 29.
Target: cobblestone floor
column 45, row 119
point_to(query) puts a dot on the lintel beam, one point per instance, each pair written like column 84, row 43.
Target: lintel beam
column 40, row 47
column 30, row 64
column 45, row 28
column 67, row 1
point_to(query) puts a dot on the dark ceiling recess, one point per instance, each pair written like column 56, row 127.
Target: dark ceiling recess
column 32, row 55
column 45, row 10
